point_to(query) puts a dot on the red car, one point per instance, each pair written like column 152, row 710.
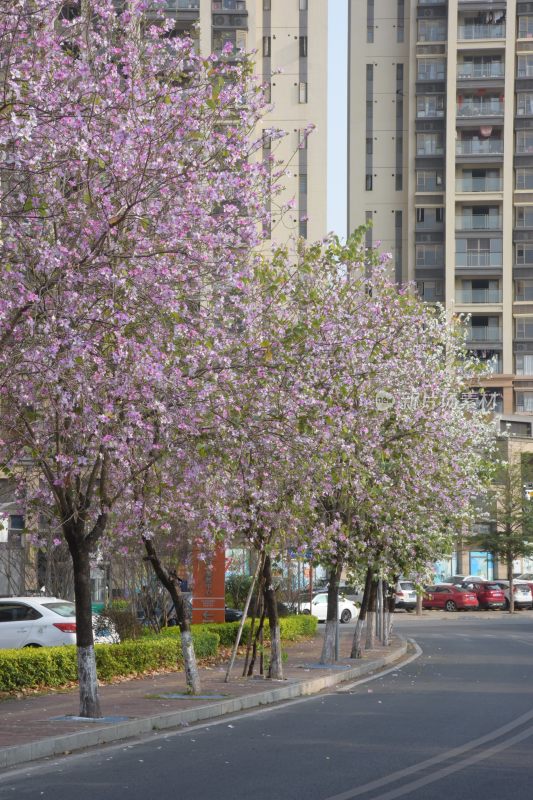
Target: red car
column 450, row 598
column 489, row 594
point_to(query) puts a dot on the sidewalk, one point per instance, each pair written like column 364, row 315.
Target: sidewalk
column 46, row 725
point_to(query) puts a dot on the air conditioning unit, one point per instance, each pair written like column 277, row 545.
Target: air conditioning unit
column 219, row 19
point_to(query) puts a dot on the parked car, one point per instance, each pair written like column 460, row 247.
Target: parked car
column 405, row 595
column 489, row 594
column 449, row 597
column 42, row 622
column 232, row 614
column 459, row 579
column 521, row 592
column 319, row 608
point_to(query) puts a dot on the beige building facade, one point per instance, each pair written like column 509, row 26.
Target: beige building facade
column 289, row 39
column 441, row 162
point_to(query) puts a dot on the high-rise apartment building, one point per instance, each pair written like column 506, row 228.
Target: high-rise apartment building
column 441, row 162
column 289, row 39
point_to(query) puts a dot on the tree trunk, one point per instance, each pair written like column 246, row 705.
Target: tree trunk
column 511, row 585
column 275, row 670
column 357, row 644
column 88, row 681
column 389, row 612
column 170, row 582
column 258, row 642
column 370, row 618
column 332, row 617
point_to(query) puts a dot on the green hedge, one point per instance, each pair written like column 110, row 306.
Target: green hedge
column 56, row 666
column 291, row 628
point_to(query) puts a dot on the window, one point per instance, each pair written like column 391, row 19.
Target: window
column 483, row 252
column 524, row 402
column 302, row 92
column 368, row 183
column 302, row 183
column 420, row 215
column 524, row 217
column 429, row 144
column 431, row 69
column 524, row 328
column 430, row 291
column 303, row 46
column 525, row 66
column 267, row 141
column 303, row 5
column 430, row 105
column 524, row 364
column 267, row 43
column 400, row 21
column 17, row 612
column 439, row 215
column 524, row 289
column 524, row 253
column 369, row 145
column 524, row 103
column 266, row 5
column 428, row 180
column 370, row 21
column 525, row 27
column 524, row 178
column 524, row 141
column 429, row 255
column 236, row 37
column 431, row 30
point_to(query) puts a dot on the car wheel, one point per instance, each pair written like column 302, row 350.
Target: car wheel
column 346, row 616
column 450, row 605
column 506, row 605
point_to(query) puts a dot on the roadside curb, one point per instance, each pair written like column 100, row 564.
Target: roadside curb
column 104, row 734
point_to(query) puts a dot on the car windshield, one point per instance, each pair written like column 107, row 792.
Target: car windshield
column 409, row 587
column 63, row 608
column 490, row 586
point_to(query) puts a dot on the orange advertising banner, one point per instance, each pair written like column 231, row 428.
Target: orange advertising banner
column 208, row 586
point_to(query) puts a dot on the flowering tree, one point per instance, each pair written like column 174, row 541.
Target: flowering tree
column 397, row 454
column 128, row 208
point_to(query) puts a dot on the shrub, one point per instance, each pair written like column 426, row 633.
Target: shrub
column 56, row 666
column 291, row 628
column 122, row 618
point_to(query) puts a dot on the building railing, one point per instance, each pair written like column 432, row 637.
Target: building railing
column 481, row 32
column 430, row 150
column 478, row 222
column 488, row 70
column 479, row 258
column 483, row 333
column 479, row 184
column 480, row 108
column 475, row 147
column 475, row 296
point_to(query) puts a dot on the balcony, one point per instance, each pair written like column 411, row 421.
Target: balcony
column 491, row 107
column 473, row 32
column 478, row 296
column 483, row 333
column 489, row 70
column 478, row 147
column 478, row 222
column 479, row 258
column 479, row 184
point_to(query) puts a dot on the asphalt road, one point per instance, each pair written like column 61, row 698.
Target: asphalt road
column 455, row 723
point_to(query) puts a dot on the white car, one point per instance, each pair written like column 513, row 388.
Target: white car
column 39, row 622
column 521, row 592
column 319, row 608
